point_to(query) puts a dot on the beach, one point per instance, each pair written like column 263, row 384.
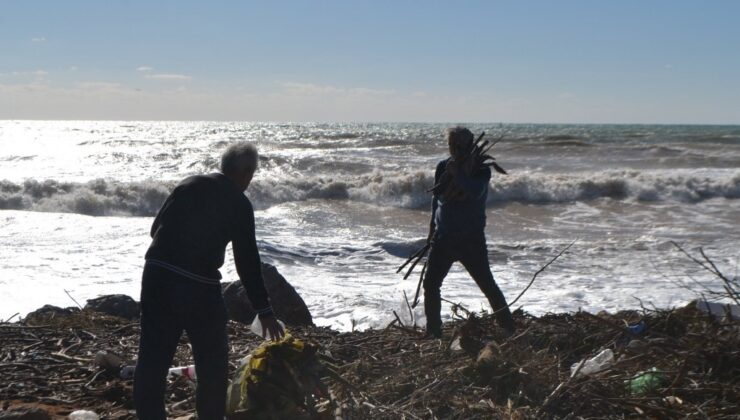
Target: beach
column 339, row 207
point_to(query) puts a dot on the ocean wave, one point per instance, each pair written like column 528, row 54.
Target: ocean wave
column 385, row 189
column 540, row 188
column 94, row 198
column 406, row 190
column 409, row 190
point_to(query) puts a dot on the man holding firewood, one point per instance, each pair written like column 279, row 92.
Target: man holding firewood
column 456, row 231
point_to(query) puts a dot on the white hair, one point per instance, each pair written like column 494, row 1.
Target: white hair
column 238, row 158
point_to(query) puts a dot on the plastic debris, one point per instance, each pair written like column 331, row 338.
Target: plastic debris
column 127, row 372
column 646, row 381
column 276, row 380
column 188, row 372
column 256, row 328
column 637, row 329
column 84, row 415
column 595, row 364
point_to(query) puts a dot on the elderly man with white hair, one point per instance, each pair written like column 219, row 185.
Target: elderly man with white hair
column 180, row 288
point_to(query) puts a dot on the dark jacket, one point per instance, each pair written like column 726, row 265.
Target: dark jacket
column 466, row 216
column 199, row 218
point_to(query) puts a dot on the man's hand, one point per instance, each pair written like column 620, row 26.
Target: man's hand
column 270, row 326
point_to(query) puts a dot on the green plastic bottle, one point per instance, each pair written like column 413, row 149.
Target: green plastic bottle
column 646, row 381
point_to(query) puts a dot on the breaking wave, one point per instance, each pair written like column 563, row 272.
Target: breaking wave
column 94, row 198
column 540, row 188
column 404, row 190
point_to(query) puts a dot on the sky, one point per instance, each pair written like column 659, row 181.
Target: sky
column 675, row 62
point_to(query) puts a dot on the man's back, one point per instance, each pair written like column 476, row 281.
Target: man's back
column 198, row 220
column 468, row 214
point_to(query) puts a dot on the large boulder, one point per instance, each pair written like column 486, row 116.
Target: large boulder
column 286, row 302
column 123, row 306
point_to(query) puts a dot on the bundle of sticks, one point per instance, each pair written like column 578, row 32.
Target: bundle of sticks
column 477, row 158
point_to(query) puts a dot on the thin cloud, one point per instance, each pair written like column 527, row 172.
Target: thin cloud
column 38, row 39
column 169, row 76
column 144, row 69
column 38, row 73
column 311, row 89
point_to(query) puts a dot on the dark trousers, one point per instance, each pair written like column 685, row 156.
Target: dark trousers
column 471, row 251
column 170, row 304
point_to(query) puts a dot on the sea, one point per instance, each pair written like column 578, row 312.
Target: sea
column 339, row 207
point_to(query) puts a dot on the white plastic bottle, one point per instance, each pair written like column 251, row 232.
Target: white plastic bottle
column 256, row 328
column 84, row 415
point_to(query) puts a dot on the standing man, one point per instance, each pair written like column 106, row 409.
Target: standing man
column 180, row 287
column 456, row 231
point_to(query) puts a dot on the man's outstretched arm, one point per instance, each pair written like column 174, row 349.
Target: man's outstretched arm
column 249, row 268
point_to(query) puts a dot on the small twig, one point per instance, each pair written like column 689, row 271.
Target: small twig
column 87, row 385
column 458, row 306
column 421, row 281
column 411, row 311
column 535, row 276
column 398, row 319
column 414, row 255
column 73, row 299
column 13, row 316
column 419, row 258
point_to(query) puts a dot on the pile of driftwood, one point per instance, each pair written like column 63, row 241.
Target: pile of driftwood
column 691, row 362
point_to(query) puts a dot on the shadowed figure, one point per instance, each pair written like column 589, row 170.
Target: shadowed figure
column 456, row 230
column 180, row 289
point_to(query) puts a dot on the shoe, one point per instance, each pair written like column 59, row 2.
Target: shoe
column 432, row 334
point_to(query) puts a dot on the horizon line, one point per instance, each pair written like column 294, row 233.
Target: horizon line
column 369, row 122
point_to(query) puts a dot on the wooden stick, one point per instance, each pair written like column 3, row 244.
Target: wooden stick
column 73, row 299
column 421, row 281
column 414, row 255
column 535, row 276
column 419, row 258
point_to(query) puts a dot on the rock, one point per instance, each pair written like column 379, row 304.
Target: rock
column 25, row 413
column 488, row 355
column 47, row 313
column 108, row 361
column 286, row 302
column 118, row 305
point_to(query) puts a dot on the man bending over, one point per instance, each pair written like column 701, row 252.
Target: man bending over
column 180, row 287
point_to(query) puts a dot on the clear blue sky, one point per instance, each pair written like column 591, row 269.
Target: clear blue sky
column 510, row 61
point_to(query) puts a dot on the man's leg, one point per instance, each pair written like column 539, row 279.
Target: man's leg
column 438, row 266
column 207, row 332
column 158, row 342
column 475, row 261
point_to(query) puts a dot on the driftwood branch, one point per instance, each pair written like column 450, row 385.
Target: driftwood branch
column 531, row 282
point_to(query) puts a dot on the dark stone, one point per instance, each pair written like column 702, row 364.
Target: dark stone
column 117, row 305
column 24, row 413
column 288, row 305
column 49, row 312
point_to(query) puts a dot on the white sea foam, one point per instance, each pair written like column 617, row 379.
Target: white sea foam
column 404, row 190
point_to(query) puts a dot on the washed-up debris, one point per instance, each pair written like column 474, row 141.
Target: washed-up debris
column 681, row 364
